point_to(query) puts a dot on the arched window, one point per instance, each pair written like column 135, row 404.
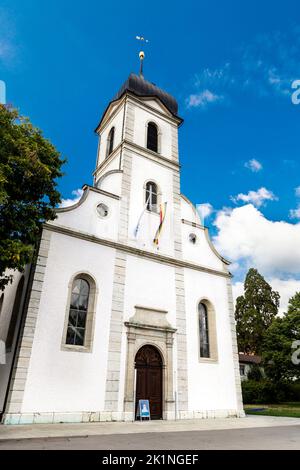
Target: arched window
column 152, row 137
column 110, row 142
column 204, row 331
column 78, row 312
column 151, row 196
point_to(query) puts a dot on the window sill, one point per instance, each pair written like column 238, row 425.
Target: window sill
column 208, row 360
column 152, row 212
column 74, row 348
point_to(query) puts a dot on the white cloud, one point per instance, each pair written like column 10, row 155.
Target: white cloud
column 255, row 197
column 295, row 213
column 202, row 99
column 247, row 237
column 204, row 210
column 77, row 193
column 253, row 165
column 264, row 67
column 237, row 290
column 210, row 78
column 286, row 288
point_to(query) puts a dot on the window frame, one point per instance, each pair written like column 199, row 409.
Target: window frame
column 212, row 332
column 151, row 121
column 90, row 316
column 110, row 142
column 204, row 343
column 153, row 208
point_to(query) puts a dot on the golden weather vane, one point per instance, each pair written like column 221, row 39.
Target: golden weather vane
column 142, row 53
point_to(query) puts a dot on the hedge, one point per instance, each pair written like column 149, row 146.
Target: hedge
column 263, row 391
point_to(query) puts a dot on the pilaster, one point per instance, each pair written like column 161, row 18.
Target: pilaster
column 24, row 349
column 115, row 334
column 235, row 353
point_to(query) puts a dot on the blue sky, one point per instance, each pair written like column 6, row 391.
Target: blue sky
column 229, row 64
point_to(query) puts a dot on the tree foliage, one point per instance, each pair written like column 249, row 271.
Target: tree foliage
column 278, row 345
column 254, row 312
column 29, row 167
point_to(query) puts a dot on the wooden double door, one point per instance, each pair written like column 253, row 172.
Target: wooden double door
column 148, row 364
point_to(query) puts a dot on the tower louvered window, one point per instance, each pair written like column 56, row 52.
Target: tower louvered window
column 152, row 137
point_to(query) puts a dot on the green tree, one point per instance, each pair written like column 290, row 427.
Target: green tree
column 29, row 167
column 254, row 312
column 278, row 345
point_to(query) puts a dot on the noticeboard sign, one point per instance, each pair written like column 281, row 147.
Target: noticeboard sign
column 144, row 409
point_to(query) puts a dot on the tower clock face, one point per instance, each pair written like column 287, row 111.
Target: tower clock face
column 102, row 210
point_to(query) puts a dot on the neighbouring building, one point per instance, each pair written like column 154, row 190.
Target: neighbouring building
column 246, row 362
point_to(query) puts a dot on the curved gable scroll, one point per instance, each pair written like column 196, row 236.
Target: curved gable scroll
column 205, row 229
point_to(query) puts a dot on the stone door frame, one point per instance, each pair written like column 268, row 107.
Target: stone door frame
column 161, row 337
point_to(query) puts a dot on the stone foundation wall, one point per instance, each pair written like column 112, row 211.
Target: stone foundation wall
column 105, row 416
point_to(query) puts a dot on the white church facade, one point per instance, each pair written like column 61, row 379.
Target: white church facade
column 128, row 298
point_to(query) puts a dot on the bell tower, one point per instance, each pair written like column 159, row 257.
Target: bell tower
column 138, row 160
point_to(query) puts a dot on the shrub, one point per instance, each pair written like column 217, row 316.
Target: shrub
column 293, row 391
column 264, row 391
column 255, row 373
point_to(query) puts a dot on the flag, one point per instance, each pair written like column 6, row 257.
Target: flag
column 162, row 215
column 140, row 217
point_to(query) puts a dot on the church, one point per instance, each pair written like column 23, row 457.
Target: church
column 128, row 299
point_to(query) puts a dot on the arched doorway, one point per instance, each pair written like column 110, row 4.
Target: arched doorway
column 148, row 364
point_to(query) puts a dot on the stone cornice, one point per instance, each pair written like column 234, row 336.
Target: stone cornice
column 144, row 152
column 86, row 188
column 159, row 258
column 140, row 151
column 107, row 118
column 101, row 191
column 147, row 326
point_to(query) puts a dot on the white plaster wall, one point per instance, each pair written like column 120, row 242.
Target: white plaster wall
column 142, row 117
column 60, row 381
column 112, row 182
column 188, row 211
column 200, row 252
column 148, row 284
column 211, row 385
column 109, row 165
column 144, row 170
column 156, row 104
column 117, row 123
column 84, row 217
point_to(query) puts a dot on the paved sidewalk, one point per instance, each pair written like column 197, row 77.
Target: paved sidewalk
column 263, row 438
column 9, row 432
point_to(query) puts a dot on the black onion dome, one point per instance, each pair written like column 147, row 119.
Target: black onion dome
column 141, row 87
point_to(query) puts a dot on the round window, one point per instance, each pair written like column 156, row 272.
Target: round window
column 102, row 210
column 192, row 238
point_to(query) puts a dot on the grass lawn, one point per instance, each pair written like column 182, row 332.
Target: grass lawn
column 290, row 410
